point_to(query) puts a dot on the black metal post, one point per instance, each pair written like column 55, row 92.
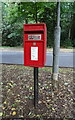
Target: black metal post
column 35, row 86
column 36, row 76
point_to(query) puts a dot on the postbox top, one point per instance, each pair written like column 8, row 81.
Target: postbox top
column 35, row 27
column 35, row 24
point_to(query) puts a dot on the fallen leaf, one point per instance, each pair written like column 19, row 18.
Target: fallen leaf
column 13, row 113
column 65, row 84
column 5, row 102
column 1, row 114
column 13, row 109
column 53, row 109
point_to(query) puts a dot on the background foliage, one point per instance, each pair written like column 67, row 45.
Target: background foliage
column 16, row 14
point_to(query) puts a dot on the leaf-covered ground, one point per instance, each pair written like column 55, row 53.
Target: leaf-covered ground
column 18, row 93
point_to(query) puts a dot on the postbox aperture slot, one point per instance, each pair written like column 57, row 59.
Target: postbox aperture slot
column 34, row 37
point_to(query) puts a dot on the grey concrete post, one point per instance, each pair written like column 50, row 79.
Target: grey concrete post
column 56, row 50
column 56, row 47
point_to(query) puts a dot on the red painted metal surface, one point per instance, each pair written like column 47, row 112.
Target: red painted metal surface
column 35, row 44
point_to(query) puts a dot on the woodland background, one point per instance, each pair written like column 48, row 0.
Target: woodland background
column 15, row 14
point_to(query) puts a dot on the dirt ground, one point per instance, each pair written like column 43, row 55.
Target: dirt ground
column 18, row 93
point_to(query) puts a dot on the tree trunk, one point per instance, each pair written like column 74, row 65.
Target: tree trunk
column 26, row 20
column 36, row 12
column 0, row 23
column 56, row 48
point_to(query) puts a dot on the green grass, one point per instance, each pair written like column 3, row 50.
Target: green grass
column 46, row 69
column 68, row 47
column 24, row 67
column 32, row 68
column 63, row 70
column 49, row 69
column 6, row 47
column 10, row 47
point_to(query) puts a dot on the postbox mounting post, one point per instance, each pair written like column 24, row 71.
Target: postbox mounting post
column 35, row 87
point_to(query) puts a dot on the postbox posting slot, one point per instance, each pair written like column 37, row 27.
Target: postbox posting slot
column 34, row 35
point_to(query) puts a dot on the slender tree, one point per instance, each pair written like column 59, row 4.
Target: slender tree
column 0, row 23
column 56, row 48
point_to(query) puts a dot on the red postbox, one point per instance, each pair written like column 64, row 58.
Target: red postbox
column 35, row 45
